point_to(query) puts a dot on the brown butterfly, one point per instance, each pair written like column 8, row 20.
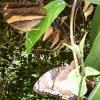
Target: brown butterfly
column 55, row 82
column 23, row 16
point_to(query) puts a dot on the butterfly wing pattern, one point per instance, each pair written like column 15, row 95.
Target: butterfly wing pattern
column 55, row 82
column 23, row 17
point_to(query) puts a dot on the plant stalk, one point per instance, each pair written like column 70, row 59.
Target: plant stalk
column 71, row 32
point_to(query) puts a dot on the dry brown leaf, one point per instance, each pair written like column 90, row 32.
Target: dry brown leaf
column 60, row 45
column 48, row 33
column 87, row 9
column 55, row 36
column 86, row 5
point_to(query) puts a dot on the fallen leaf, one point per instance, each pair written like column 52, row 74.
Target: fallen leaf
column 48, row 33
column 87, row 9
column 60, row 45
column 55, row 36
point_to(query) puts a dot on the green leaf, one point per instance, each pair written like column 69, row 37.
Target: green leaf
column 93, row 59
column 89, row 71
column 75, row 78
column 95, row 28
column 95, row 94
column 53, row 9
column 94, row 1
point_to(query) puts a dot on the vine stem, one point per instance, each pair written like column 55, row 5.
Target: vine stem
column 71, row 32
column 73, row 46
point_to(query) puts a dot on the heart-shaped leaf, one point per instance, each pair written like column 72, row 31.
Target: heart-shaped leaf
column 89, row 71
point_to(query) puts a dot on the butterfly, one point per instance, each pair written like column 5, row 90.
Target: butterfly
column 22, row 17
column 55, row 82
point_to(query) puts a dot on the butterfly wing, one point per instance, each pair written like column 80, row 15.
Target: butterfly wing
column 25, row 18
column 62, row 84
column 46, row 81
column 25, row 26
column 54, row 82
